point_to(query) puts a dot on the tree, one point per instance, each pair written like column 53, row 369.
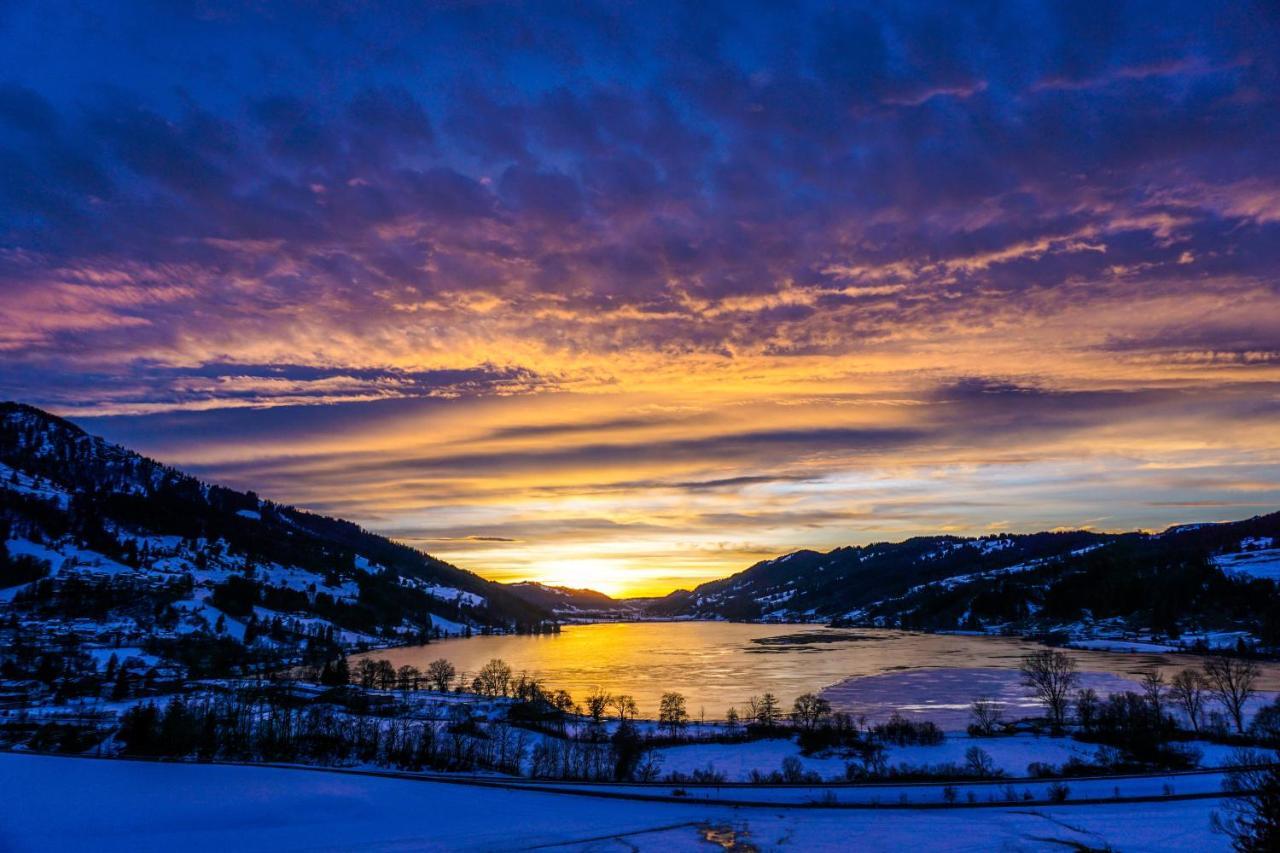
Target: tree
column 494, row 678
column 1252, row 816
column 385, row 674
column 408, row 676
column 672, row 713
column 1266, row 723
column 980, row 763
column 562, row 701
column 598, row 703
column 1153, row 687
column 366, row 673
column 764, row 710
column 626, row 707
column 439, row 673
column 1087, row 708
column 809, row 711
column 731, row 718
column 335, row 673
column 986, row 715
column 1231, row 681
column 1050, row 674
column 1188, row 689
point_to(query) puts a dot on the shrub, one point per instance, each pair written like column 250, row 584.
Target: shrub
column 900, row 731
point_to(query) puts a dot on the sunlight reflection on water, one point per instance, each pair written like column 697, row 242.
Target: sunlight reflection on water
column 718, row 664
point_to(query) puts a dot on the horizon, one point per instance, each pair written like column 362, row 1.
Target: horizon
column 630, row 299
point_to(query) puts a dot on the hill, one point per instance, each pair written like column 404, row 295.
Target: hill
column 1191, row 578
column 100, row 542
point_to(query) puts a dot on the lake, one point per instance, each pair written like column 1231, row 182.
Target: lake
column 718, row 664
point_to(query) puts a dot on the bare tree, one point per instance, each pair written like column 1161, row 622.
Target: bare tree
column 1087, row 707
column 598, row 703
column 494, row 678
column 562, row 701
column 1188, row 689
column 1052, row 675
column 731, row 718
column 986, row 715
column 672, row 713
column 625, row 706
column 408, row 676
column 1231, row 682
column 1153, row 687
column 385, row 673
column 366, row 673
column 764, row 710
column 809, row 711
column 1252, row 811
column 439, row 673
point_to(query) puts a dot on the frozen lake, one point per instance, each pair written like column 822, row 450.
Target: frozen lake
column 719, row 664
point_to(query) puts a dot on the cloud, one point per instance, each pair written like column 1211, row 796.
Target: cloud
column 729, row 255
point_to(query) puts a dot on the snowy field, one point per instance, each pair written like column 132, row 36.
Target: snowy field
column 736, row 761
column 1011, row 754
column 1259, row 563
column 64, row 804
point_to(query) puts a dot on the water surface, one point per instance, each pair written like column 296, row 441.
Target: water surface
column 719, row 664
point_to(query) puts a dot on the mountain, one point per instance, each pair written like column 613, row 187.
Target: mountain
column 129, row 550
column 121, row 545
column 1191, row 577
column 578, row 604
column 813, row 585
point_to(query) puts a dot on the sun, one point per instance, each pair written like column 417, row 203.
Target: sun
column 610, row 576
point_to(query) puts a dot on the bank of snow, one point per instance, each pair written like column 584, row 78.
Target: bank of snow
column 57, row 804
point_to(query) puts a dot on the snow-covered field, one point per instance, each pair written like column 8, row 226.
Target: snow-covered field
column 1011, row 754
column 1259, row 563
column 63, row 804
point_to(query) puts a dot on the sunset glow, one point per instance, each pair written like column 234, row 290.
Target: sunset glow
column 630, row 299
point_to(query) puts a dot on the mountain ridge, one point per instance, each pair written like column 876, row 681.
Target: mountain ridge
column 79, row 513
column 247, row 556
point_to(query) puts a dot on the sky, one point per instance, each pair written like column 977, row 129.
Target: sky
column 633, row 295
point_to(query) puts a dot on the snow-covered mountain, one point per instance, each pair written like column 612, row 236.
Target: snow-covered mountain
column 1187, row 578
column 97, row 539
column 93, row 532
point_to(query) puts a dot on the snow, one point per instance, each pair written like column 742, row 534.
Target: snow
column 25, row 484
column 444, row 593
column 364, row 564
column 249, row 513
column 203, row 615
column 67, row 557
column 448, row 626
column 124, row 655
column 143, row 806
column 987, row 546
column 21, row 547
column 1260, row 563
column 737, row 760
column 1010, row 753
column 303, row 621
column 1106, row 645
